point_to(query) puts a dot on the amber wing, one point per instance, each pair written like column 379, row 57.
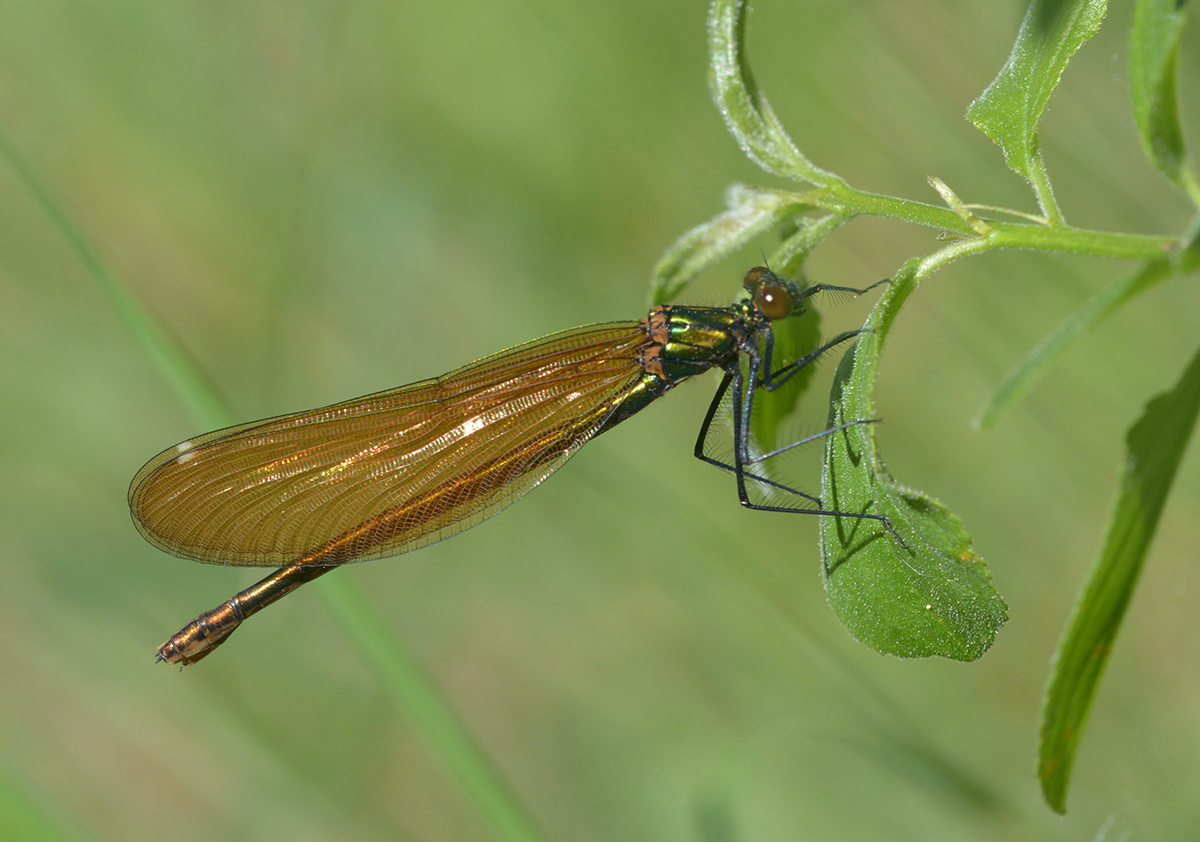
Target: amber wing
column 392, row 471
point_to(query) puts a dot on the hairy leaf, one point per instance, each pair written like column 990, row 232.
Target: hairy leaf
column 1009, row 110
column 933, row 596
column 745, row 108
column 1153, row 58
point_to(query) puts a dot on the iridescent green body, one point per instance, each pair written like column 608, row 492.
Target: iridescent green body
column 694, row 339
column 687, row 340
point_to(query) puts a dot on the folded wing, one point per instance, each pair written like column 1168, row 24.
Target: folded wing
column 392, row 471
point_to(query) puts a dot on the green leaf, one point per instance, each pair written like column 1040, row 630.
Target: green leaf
column 933, row 597
column 1153, row 57
column 745, row 108
column 1155, row 446
column 1038, row 362
column 751, row 211
column 1010, row 109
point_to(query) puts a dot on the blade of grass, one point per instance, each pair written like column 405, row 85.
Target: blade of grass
column 1026, row 374
column 186, row 379
column 414, row 692
column 1156, row 444
column 1174, row 258
column 409, row 686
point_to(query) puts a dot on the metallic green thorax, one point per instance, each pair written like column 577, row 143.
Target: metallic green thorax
column 686, row 341
column 690, row 340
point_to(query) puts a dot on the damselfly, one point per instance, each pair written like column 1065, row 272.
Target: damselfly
column 394, row 471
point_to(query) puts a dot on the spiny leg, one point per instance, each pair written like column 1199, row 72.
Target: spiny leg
column 772, row 380
column 831, row 430
column 741, row 426
column 738, row 469
column 815, row 288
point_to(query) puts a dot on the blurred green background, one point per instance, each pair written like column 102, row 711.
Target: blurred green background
column 322, row 199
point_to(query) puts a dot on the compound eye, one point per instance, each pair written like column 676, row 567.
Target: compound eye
column 774, row 301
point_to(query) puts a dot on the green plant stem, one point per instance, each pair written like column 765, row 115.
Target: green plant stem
column 1064, row 238
column 843, row 199
column 1191, row 187
column 1058, row 238
column 1039, row 179
column 849, row 202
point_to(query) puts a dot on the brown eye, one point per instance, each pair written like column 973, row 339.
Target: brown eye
column 774, row 301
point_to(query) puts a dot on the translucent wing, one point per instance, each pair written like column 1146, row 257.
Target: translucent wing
column 388, row 472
